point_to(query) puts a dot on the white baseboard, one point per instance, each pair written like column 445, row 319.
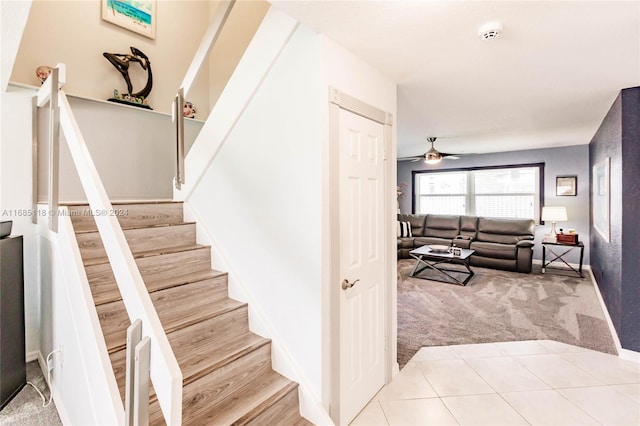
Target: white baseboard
column 629, row 355
column 57, row 400
column 32, row 356
column 622, row 353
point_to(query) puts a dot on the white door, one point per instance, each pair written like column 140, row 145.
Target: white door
column 362, row 346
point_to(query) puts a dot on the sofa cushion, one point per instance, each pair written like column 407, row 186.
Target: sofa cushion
column 469, row 226
column 417, row 223
column 494, row 250
column 505, row 231
column 406, row 243
column 442, row 226
column 427, row 241
column 404, row 229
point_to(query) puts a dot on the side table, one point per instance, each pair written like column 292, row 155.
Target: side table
column 554, row 249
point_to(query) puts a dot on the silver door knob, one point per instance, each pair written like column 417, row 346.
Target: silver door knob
column 347, row 285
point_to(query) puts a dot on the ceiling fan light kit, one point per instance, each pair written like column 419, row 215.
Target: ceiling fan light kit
column 432, row 156
column 490, row 30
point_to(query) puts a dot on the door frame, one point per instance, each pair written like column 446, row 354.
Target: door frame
column 331, row 247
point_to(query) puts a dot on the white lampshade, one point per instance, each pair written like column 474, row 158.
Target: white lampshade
column 554, row 214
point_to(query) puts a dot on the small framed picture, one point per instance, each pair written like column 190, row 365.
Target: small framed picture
column 566, row 186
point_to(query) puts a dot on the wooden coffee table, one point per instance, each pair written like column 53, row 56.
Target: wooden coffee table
column 427, row 258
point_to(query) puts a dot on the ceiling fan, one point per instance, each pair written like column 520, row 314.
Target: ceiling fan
column 433, row 156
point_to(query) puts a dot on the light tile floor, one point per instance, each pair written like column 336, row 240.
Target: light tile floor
column 538, row 382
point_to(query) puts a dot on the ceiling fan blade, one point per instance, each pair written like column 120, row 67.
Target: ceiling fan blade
column 412, row 159
column 450, row 156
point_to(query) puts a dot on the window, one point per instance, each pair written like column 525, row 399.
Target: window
column 503, row 192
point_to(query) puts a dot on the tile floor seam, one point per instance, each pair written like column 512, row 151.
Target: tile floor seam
column 427, row 379
column 576, row 405
column 482, row 378
column 551, row 386
column 604, row 383
column 514, row 409
column 386, row 418
column 450, row 412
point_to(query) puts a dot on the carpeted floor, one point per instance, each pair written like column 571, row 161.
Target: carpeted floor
column 498, row 306
column 26, row 407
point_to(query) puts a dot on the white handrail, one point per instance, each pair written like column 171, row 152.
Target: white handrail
column 165, row 371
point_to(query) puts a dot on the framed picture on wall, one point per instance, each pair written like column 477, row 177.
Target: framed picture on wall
column 600, row 193
column 138, row 16
column 566, row 186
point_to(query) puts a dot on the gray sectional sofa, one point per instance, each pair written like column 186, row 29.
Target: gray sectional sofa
column 498, row 243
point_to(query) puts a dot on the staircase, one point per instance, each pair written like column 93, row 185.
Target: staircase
column 227, row 374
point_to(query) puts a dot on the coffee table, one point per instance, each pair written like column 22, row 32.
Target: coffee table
column 427, row 258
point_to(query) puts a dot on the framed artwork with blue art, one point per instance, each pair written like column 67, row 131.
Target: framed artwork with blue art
column 135, row 15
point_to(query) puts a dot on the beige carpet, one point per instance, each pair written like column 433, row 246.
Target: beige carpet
column 498, row 306
column 26, row 408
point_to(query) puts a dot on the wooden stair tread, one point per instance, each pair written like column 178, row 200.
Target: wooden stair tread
column 194, row 362
column 199, row 360
column 121, row 202
column 111, row 293
column 181, row 306
column 158, row 285
column 114, row 319
column 256, row 395
column 140, row 239
column 145, row 253
column 132, row 227
column 129, row 214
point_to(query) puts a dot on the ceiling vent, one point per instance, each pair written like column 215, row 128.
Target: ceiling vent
column 490, row 30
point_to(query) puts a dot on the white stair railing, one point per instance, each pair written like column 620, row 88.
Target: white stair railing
column 164, row 369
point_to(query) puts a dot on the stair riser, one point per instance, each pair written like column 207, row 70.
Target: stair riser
column 129, row 215
column 152, row 269
column 141, row 239
column 206, row 392
column 284, row 412
column 197, row 297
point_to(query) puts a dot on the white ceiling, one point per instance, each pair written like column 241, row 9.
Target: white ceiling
column 548, row 81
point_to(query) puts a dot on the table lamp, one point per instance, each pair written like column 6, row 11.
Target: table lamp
column 554, row 214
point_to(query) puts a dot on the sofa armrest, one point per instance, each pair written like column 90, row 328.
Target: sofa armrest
column 525, row 256
column 524, row 243
column 462, row 241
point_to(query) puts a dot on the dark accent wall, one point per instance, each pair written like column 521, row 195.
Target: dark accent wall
column 615, row 263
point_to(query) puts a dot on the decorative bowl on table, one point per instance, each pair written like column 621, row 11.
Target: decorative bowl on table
column 439, row 248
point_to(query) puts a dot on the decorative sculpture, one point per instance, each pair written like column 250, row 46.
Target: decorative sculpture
column 189, row 110
column 121, row 62
column 43, row 72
